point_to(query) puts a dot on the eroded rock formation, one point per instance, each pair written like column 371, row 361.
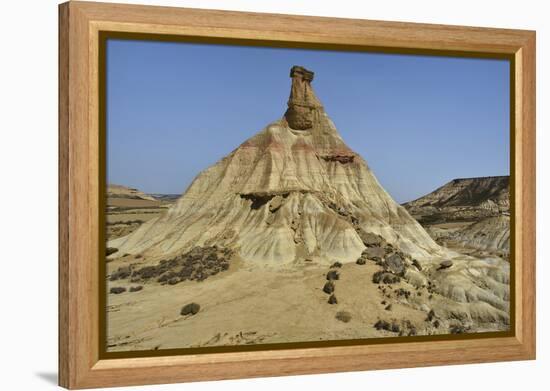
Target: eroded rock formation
column 293, row 191
column 478, row 208
column 303, row 105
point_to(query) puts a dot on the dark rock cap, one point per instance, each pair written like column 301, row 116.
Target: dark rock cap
column 297, row 70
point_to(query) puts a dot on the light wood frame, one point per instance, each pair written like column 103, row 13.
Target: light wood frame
column 80, row 23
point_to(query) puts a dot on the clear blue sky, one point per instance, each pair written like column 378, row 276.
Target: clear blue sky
column 174, row 109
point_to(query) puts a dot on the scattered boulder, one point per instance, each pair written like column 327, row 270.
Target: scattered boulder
column 116, row 290
column 445, row 265
column 396, row 264
column 336, row 265
column 328, row 288
column 333, row 275
column 343, row 316
column 385, row 277
column 275, row 204
column 417, row 265
column 332, row 299
column 121, row 274
column 370, row 239
column 378, row 261
column 388, row 307
column 373, row 252
column 361, row 261
column 110, row 250
column 385, row 325
column 190, row 309
column 136, row 288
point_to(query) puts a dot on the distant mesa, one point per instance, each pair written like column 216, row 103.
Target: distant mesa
column 119, row 191
column 468, row 212
column 468, row 192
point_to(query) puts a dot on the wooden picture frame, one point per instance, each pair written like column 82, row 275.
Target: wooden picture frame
column 81, row 163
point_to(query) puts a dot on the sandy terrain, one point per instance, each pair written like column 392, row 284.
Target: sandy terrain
column 272, row 305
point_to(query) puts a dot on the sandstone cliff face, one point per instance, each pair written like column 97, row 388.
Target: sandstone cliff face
column 293, row 191
column 491, row 233
column 483, row 192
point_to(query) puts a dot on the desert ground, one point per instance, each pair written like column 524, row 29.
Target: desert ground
column 246, row 306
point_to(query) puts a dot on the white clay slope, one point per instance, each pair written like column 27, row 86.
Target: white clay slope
column 282, row 196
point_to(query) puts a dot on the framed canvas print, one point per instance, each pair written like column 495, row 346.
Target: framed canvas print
column 251, row 195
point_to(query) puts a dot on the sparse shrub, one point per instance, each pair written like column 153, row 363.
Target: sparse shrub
column 332, row 300
column 336, row 265
column 333, row 275
column 117, row 290
column 395, row 327
column 457, row 329
column 136, row 288
column 197, row 264
column 190, row 309
column 385, row 277
column 382, row 325
column 343, row 316
column 403, row 293
column 328, row 288
column 121, row 273
column 385, row 325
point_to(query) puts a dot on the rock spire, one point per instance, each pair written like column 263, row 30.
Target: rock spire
column 302, row 103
